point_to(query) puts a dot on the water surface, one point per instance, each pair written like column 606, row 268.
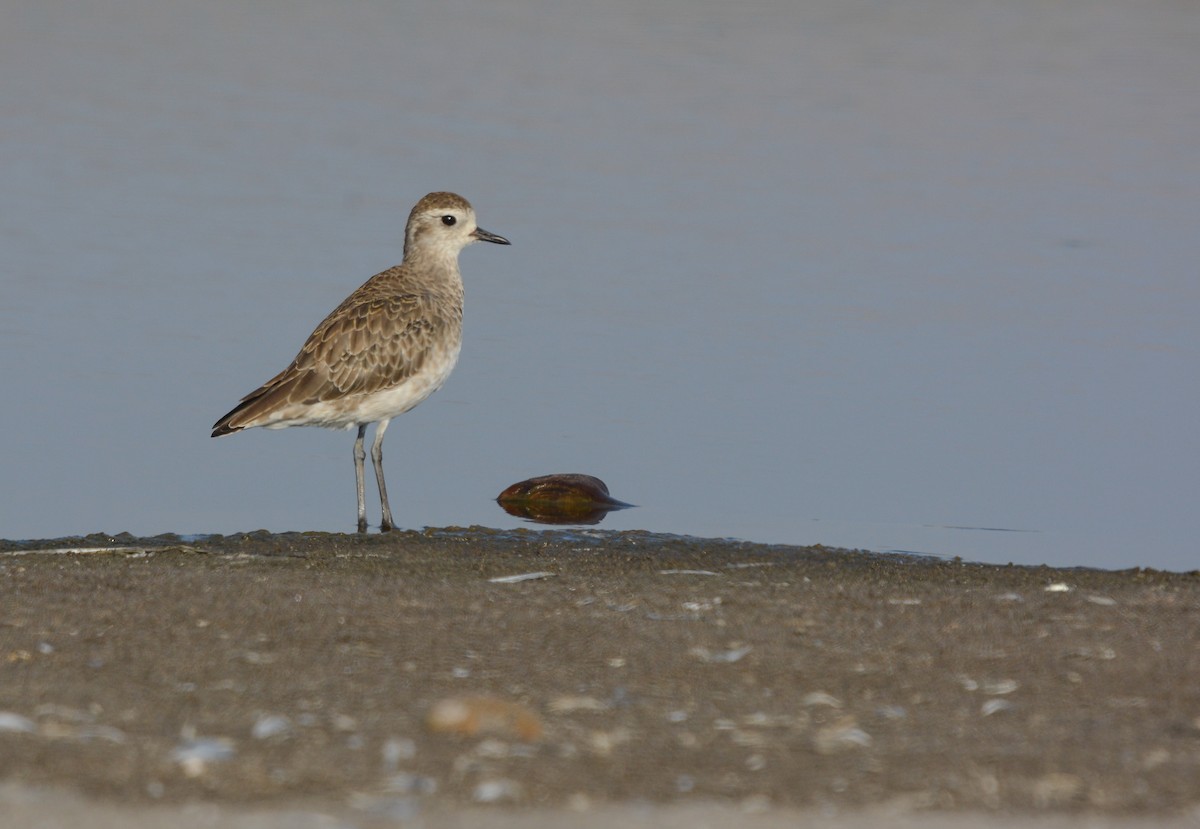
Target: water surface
column 916, row 277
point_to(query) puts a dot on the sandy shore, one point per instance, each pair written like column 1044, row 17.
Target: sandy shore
column 333, row 680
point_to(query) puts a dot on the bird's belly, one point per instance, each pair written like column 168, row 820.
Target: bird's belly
column 348, row 412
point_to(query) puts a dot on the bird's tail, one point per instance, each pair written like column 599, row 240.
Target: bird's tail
column 256, row 408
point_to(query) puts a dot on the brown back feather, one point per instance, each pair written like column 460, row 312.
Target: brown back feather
column 377, row 338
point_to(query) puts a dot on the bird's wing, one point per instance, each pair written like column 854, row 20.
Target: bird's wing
column 366, row 347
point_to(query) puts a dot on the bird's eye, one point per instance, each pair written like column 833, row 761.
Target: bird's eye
column 448, row 221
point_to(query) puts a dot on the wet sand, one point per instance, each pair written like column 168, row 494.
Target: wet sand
column 265, row 680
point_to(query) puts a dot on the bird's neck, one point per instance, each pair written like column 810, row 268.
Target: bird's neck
column 429, row 259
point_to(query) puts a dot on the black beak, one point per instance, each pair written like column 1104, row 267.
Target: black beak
column 483, row 236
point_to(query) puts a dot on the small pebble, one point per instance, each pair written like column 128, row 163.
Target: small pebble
column 271, row 725
column 749, row 739
column 344, row 722
column 731, row 655
column 571, row 704
column 995, row 706
column 194, row 755
column 13, row 722
column 396, row 750
column 1000, row 687
column 519, row 577
column 840, row 736
column 501, row 790
column 604, row 743
column 821, row 698
column 491, row 749
column 1154, row 758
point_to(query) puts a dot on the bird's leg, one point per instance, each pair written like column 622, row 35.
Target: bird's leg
column 359, row 457
column 377, row 459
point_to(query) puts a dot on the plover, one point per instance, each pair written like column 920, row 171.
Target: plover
column 388, row 346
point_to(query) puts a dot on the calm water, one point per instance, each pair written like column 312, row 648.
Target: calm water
column 917, row 276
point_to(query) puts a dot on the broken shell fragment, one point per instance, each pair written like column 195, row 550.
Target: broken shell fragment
column 471, row 716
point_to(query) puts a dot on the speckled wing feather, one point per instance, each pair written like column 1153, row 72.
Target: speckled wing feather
column 369, row 347
column 378, row 338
